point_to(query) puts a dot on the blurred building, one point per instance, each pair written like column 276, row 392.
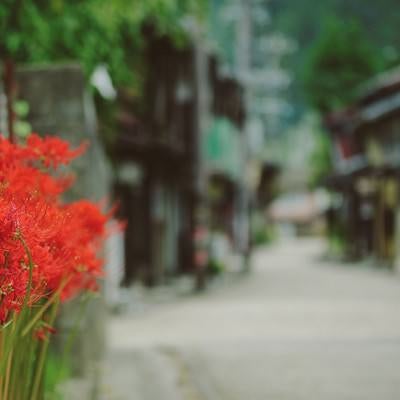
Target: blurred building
column 179, row 158
column 365, row 184
column 157, row 154
column 253, row 53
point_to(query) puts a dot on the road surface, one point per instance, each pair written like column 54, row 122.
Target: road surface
column 296, row 328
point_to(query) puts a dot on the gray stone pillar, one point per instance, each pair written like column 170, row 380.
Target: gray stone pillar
column 61, row 105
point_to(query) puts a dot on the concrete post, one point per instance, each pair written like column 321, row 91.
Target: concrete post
column 61, row 105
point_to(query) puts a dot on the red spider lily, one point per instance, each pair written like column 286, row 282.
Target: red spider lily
column 46, row 245
column 43, row 332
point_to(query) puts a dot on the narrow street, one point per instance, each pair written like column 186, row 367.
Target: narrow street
column 296, row 328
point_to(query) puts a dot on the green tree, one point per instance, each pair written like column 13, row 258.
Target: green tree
column 89, row 31
column 379, row 21
column 320, row 159
column 340, row 60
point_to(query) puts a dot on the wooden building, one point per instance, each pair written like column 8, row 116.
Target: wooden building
column 158, row 168
column 164, row 172
column 366, row 155
column 223, row 153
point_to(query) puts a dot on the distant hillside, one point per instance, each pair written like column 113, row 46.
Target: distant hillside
column 303, row 20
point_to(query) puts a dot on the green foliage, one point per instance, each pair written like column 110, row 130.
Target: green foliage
column 321, row 158
column 337, row 243
column 262, row 231
column 379, row 22
column 321, row 161
column 21, row 110
column 56, row 373
column 262, row 237
column 215, row 267
column 90, row 31
column 340, row 60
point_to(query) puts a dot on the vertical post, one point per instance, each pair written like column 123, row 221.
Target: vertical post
column 243, row 66
column 202, row 111
column 201, row 123
column 243, row 40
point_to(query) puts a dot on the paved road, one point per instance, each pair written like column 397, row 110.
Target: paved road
column 295, row 329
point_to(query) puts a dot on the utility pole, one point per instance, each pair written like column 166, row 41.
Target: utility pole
column 243, row 66
column 202, row 115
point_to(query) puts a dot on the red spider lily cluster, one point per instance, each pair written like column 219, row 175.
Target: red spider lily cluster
column 47, row 246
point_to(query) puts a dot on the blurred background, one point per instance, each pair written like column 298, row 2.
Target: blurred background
column 253, row 148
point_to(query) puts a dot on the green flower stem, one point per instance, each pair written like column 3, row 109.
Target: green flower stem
column 38, row 377
column 49, row 302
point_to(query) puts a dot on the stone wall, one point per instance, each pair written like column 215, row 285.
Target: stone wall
column 60, row 104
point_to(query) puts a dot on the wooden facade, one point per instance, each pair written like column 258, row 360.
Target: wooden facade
column 158, row 139
column 162, row 175
column 224, row 178
column 366, row 152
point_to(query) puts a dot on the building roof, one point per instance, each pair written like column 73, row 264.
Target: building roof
column 379, row 98
column 382, row 85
